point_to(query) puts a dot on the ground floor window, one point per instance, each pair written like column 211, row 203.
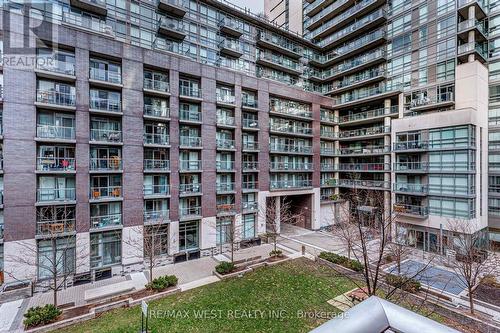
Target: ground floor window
column 189, row 235
column 224, row 229
column 56, row 256
column 105, row 248
column 156, row 239
column 248, row 226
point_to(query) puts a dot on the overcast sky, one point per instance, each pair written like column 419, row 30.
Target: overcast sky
column 256, row 6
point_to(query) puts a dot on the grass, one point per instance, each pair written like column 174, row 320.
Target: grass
column 276, row 297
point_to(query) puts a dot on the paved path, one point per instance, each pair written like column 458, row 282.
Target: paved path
column 188, row 271
column 8, row 312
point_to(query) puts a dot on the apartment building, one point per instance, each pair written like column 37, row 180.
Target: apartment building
column 194, row 116
column 285, row 13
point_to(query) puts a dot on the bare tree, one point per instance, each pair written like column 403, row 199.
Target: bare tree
column 470, row 259
column 275, row 217
column 230, row 235
column 398, row 248
column 55, row 256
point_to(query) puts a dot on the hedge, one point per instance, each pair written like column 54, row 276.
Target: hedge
column 41, row 315
column 401, row 282
column 162, row 282
column 341, row 260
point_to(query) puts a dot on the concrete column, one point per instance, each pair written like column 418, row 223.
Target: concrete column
column 173, row 238
column 278, row 213
column 387, row 159
column 336, row 159
column 471, row 36
column 83, row 252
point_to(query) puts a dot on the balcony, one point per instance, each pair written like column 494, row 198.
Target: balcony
column 106, row 136
column 55, row 164
column 105, row 105
column 156, row 190
column 56, row 99
column 291, row 166
column 226, row 144
column 224, row 165
column 93, row 6
column 87, row 22
column 290, row 184
column 224, row 187
column 289, row 110
column 155, row 165
column 190, row 141
column 188, row 213
column 249, row 103
column 223, row 120
column 329, row 117
column 190, row 165
column 190, row 116
column 250, row 124
column 290, row 129
column 368, row 116
column 106, row 221
column 410, row 146
column 55, row 227
column 156, row 111
column 278, row 62
column 365, row 133
column 411, row 167
column 361, row 96
column 98, row 75
column 279, row 44
column 466, row 26
column 226, row 209
column 190, row 93
column 364, row 167
column 55, row 133
column 430, row 102
column 481, row 10
column 250, row 146
column 328, row 182
column 55, row 69
column 411, row 188
column 231, row 27
column 112, row 164
column 250, row 166
column 156, row 139
column 225, row 99
column 355, row 64
column 230, row 47
column 156, row 86
column 358, row 45
column 250, row 206
column 364, row 184
column 189, row 189
column 328, row 134
column 250, row 186
column 58, row 195
column 357, row 80
column 479, row 50
column 174, row 7
column 410, row 210
column 328, row 167
column 105, row 193
column 172, row 28
column 328, row 151
column 288, row 148
column 365, row 150
column 156, row 216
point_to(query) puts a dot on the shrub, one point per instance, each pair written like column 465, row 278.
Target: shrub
column 224, row 267
column 341, row 260
column 41, row 315
column 162, row 282
column 401, row 282
column 275, row 253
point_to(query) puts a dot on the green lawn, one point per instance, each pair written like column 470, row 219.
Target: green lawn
column 275, row 295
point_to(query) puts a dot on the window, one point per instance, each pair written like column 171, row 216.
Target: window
column 155, row 240
column 445, row 70
column 248, row 226
column 105, row 249
column 63, row 261
column 188, row 235
column 225, row 230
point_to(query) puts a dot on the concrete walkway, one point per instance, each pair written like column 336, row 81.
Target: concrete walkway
column 8, row 312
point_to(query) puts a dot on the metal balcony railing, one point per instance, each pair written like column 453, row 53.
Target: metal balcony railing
column 190, row 115
column 105, row 104
column 224, row 187
column 55, row 164
column 363, row 167
column 292, row 166
column 190, row 141
column 55, row 194
column 54, row 227
column 190, row 165
column 105, row 135
column 286, row 128
column 105, row 75
column 156, row 111
column 225, row 144
column 411, row 188
column 290, row 184
column 103, row 221
column 190, row 92
column 156, row 165
column 288, row 148
column 55, row 97
column 249, row 103
column 369, row 114
column 156, row 189
column 56, row 66
column 225, row 120
column 156, row 85
column 352, row 183
column 250, row 123
column 365, row 132
column 113, row 163
column 189, row 211
column 250, row 185
column 55, row 132
column 156, row 139
column 402, row 208
column 250, row 165
column 250, row 145
column 365, row 150
column 224, row 165
column 226, row 99
column 105, row 192
column 191, row 188
column 155, row 216
column 226, row 208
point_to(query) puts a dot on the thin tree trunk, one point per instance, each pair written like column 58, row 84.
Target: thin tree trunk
column 54, row 270
column 471, row 302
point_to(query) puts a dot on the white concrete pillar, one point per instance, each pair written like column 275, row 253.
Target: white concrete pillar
column 83, row 252
column 208, row 232
column 173, row 238
column 20, row 260
column 132, row 241
column 278, row 213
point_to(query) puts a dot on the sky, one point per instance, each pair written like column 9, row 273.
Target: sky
column 256, row 6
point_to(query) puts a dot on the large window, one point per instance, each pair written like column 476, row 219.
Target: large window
column 451, row 207
column 225, row 230
column 189, row 235
column 248, row 226
column 155, row 240
column 62, row 262
column 105, row 249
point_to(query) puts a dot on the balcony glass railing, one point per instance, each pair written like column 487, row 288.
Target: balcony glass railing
column 430, row 100
column 190, row 115
column 156, row 216
column 481, row 49
column 105, row 192
column 55, row 97
column 328, row 182
column 250, row 123
column 328, row 167
column 156, row 189
column 339, row 18
column 277, row 40
column 55, row 132
column 224, row 187
column 365, row 150
column 231, row 44
column 369, row 114
column 351, row 64
column 290, row 184
column 471, row 23
column 401, row 208
column 55, row 164
column 225, row 120
column 191, row 188
column 189, row 211
column 160, row 111
column 293, row 166
column 411, row 188
column 156, row 85
column 190, row 165
column 105, row 104
column 56, row 66
column 105, row 75
column 352, row 183
column 249, row 102
column 358, row 167
column 105, row 221
column 250, row 145
column 171, row 24
column 154, row 164
column 411, row 166
column 357, row 79
column 105, row 135
column 288, row 148
column 190, row 92
column 106, row 164
column 286, row 128
column 49, row 228
column 292, row 110
column 328, row 134
column 329, row 117
column 250, row 205
column 363, row 93
column 88, row 22
column 224, row 165
column 226, row 99
column 225, row 144
column 357, row 43
column 250, row 165
column 278, row 60
column 55, row 194
column 250, row 185
column 226, row 208
column 190, row 141
column 156, row 139
column 365, row 132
